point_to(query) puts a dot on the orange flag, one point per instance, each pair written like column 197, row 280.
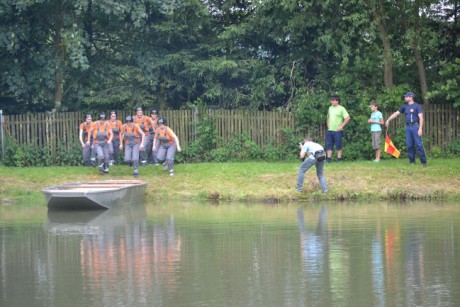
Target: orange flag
column 390, row 147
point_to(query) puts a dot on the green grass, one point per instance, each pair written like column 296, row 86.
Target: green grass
column 254, row 181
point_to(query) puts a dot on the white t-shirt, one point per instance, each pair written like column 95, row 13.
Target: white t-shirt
column 311, row 147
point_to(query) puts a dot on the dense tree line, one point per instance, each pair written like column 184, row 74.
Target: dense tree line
column 266, row 54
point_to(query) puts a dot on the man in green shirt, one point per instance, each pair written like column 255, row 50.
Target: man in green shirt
column 337, row 119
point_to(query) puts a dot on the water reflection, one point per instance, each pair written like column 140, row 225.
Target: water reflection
column 378, row 267
column 313, row 246
column 239, row 255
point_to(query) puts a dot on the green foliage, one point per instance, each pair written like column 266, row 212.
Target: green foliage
column 26, row 156
column 227, row 54
column 449, row 87
column 200, row 150
column 207, row 147
column 237, row 149
column 310, row 107
column 436, row 152
column 453, row 148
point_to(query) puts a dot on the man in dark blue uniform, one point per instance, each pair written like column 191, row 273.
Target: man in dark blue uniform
column 414, row 127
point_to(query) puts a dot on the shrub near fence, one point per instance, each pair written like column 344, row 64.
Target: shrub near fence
column 49, row 130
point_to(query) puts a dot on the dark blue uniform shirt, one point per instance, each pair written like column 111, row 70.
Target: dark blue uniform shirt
column 411, row 111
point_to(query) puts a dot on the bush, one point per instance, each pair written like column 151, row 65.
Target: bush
column 23, row 155
column 453, row 148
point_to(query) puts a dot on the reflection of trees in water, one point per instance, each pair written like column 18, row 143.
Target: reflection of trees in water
column 132, row 263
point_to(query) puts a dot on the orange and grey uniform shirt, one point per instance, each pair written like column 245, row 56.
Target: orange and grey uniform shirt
column 131, row 135
column 163, row 134
column 116, row 128
column 101, row 131
column 142, row 122
column 85, row 127
column 153, row 126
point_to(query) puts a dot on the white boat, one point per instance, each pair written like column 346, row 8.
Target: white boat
column 103, row 194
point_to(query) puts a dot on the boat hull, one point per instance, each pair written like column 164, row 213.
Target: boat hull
column 95, row 194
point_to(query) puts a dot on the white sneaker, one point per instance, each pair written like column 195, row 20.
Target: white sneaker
column 171, row 172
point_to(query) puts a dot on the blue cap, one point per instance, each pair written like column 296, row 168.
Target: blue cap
column 409, row 94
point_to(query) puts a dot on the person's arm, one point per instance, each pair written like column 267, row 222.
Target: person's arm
column 380, row 122
column 155, row 138
column 89, row 134
column 110, row 132
column 391, row 117
column 176, row 139
column 420, row 124
column 143, row 135
column 81, row 138
column 302, row 153
column 345, row 122
column 122, row 136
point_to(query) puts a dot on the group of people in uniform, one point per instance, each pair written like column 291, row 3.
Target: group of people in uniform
column 145, row 140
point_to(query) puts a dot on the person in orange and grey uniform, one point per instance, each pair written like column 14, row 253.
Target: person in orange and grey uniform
column 167, row 143
column 102, row 136
column 414, row 127
column 115, row 124
column 87, row 151
column 143, row 122
column 133, row 137
column 151, row 155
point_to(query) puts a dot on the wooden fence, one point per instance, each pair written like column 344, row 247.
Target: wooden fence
column 62, row 129
column 442, row 126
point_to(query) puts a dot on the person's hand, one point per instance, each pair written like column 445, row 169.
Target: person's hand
column 121, row 146
column 370, row 121
column 83, row 145
column 141, row 147
column 387, row 123
column 179, row 149
column 420, row 132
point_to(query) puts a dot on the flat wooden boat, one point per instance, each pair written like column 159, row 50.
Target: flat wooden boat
column 103, row 194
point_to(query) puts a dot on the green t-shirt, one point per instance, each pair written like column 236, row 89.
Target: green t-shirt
column 336, row 116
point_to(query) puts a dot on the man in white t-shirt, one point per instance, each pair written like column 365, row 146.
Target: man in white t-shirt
column 312, row 154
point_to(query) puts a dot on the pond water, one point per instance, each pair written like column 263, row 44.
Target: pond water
column 200, row 254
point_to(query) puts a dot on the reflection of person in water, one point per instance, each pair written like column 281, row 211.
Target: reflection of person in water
column 313, row 247
column 414, row 266
column 378, row 272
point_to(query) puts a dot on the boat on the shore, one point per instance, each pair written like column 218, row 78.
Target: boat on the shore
column 100, row 194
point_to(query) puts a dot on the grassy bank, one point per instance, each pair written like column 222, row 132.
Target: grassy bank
column 254, row 181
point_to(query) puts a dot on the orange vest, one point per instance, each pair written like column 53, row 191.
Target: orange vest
column 116, row 128
column 101, row 133
column 152, row 125
column 131, row 134
column 143, row 122
column 163, row 134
